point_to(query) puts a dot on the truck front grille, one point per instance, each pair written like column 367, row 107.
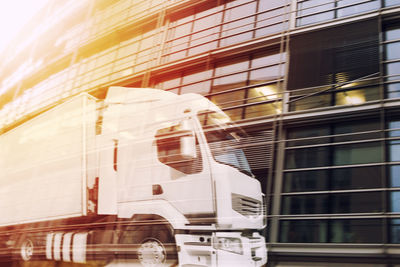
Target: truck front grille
column 246, row 206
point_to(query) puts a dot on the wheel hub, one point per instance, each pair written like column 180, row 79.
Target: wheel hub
column 27, row 250
column 152, row 253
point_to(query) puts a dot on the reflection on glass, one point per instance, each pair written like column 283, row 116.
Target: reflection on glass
column 395, row 231
column 225, row 142
column 306, row 181
column 356, row 231
column 392, row 2
column 357, row 153
column 394, row 171
column 392, row 51
column 310, row 135
column 355, row 97
column 312, row 11
column 393, row 71
column 393, row 90
column 395, row 201
column 259, row 110
column 356, row 202
column 392, row 33
column 307, row 157
column 394, row 150
column 357, row 131
column 310, row 102
column 303, row 231
column 349, row 7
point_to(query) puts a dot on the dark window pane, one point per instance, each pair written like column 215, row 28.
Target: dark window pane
column 307, row 157
column 357, row 153
column 356, row 202
column 349, row 131
column 395, row 231
column 311, row 136
column 356, row 178
column 310, row 102
column 356, row 231
column 260, row 110
column 338, row 54
column 309, row 204
column 306, row 181
column 303, row 231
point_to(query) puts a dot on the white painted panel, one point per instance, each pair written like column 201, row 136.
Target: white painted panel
column 43, row 164
column 66, row 247
column 79, row 248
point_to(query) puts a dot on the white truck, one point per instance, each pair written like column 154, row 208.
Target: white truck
column 143, row 176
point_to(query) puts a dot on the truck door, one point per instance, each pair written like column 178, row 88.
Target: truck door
column 182, row 175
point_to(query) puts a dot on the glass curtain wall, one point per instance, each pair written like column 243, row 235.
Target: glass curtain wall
column 335, row 66
column 341, row 183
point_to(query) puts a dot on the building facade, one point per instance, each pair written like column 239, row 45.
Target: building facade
column 315, row 83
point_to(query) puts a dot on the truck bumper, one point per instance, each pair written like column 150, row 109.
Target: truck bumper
column 221, row 249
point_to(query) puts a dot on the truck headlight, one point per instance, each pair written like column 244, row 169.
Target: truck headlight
column 229, row 244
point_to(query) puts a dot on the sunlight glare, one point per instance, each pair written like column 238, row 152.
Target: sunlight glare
column 14, row 15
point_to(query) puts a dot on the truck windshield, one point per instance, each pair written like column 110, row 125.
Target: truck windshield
column 225, row 141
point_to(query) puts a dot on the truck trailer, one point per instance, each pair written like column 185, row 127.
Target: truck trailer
column 143, row 176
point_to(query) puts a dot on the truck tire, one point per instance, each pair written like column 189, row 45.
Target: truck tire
column 155, row 245
column 26, row 249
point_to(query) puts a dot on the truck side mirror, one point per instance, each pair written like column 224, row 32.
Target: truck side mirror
column 188, row 147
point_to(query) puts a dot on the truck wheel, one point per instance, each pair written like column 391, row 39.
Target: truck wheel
column 26, row 249
column 155, row 245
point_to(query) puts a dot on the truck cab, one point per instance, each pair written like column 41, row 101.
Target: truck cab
column 179, row 159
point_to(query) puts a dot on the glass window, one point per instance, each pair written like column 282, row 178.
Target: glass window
column 392, row 51
column 312, row 11
column 394, row 172
column 356, row 178
column 356, row 202
column 394, row 150
column 392, row 2
column 310, row 135
column 271, row 19
column 169, row 150
column 393, row 71
column 229, row 99
column 260, row 110
column 357, row 97
column 356, row 231
column 309, row 204
column 350, row 131
column 351, row 8
column 306, row 181
column 395, row 231
column 393, row 90
column 307, row 157
column 394, row 201
column 238, row 25
column 303, row 231
column 311, row 102
column 357, row 153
